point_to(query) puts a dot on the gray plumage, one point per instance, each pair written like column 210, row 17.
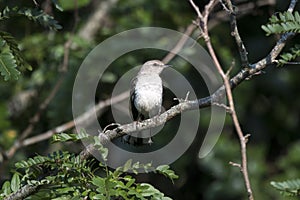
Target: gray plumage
column 146, row 92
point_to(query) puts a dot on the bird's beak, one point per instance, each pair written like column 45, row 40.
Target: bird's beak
column 167, row 66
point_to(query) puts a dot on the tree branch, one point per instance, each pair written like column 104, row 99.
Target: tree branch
column 242, row 10
column 22, row 193
column 235, row 33
column 203, row 18
column 95, row 21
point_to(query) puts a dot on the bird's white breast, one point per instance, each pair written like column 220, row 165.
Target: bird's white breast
column 148, row 94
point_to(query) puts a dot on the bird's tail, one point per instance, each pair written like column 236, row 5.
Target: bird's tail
column 139, row 139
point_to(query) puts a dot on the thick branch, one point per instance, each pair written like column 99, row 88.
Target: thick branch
column 22, row 193
column 95, row 21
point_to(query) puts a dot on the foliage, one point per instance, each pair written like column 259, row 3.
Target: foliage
column 10, row 54
column 284, row 22
column 288, row 188
column 7, row 61
column 33, row 14
column 285, row 58
column 64, row 175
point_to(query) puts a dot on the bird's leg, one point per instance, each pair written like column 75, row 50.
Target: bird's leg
column 139, row 141
column 150, row 138
column 150, row 141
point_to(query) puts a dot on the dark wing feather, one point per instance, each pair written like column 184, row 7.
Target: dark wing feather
column 134, row 111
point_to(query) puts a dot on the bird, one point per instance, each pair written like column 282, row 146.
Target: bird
column 146, row 96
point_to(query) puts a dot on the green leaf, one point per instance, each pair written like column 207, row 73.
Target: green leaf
column 127, row 165
column 8, row 66
column 99, row 182
column 15, row 183
column 41, row 17
column 6, row 188
column 35, row 15
column 31, row 162
column 130, row 181
column 63, row 137
column 148, row 190
column 102, row 150
column 289, row 187
column 293, row 53
column 5, row 13
column 99, row 196
column 283, row 23
column 14, row 48
column 57, row 5
column 82, row 134
column 166, row 171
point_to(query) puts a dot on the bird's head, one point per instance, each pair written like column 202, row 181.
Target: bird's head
column 153, row 66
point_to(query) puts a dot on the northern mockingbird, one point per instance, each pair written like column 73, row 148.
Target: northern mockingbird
column 146, row 92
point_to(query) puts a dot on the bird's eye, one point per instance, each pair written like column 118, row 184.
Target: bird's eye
column 155, row 64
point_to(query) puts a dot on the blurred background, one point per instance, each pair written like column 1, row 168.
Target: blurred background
column 268, row 105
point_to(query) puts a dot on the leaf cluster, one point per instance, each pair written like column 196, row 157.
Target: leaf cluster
column 283, row 22
column 293, row 53
column 33, row 14
column 63, row 175
column 10, row 54
column 119, row 183
column 8, row 60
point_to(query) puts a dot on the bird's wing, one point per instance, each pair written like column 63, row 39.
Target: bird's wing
column 134, row 111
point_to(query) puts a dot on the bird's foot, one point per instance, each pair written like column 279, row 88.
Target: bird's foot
column 180, row 100
column 150, row 141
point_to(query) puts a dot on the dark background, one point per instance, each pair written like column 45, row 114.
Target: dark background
column 267, row 105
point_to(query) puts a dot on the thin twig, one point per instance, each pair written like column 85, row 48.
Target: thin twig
column 236, row 165
column 243, row 9
column 229, row 97
column 196, row 8
column 235, row 32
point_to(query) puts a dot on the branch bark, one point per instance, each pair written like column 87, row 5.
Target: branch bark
column 203, row 24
